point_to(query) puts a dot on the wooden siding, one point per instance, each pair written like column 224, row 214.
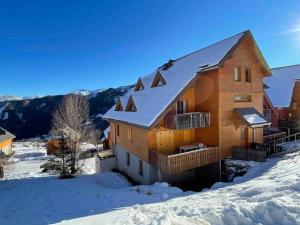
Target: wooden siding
column 230, row 132
column 177, row 163
column 207, row 100
column 295, row 111
column 137, row 144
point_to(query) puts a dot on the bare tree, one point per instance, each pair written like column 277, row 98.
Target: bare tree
column 71, row 120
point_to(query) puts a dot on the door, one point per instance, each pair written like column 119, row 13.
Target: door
column 165, row 142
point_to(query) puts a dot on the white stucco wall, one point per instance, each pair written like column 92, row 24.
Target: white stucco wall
column 105, row 165
column 150, row 172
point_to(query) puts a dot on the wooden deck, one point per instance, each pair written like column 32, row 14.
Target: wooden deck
column 177, row 163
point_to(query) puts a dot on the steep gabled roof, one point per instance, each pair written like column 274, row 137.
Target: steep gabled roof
column 152, row 102
column 281, row 84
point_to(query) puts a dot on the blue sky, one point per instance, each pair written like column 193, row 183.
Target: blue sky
column 53, row 47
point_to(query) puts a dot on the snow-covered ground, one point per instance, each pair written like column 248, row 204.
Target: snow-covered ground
column 31, row 197
column 268, row 194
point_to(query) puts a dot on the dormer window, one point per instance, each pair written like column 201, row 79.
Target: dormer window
column 158, row 80
column 139, row 85
column 119, row 106
column 167, row 65
column 130, row 105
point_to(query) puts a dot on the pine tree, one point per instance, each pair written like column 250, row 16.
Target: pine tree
column 65, row 155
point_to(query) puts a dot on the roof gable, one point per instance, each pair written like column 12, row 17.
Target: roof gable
column 258, row 53
column 153, row 102
column 281, row 84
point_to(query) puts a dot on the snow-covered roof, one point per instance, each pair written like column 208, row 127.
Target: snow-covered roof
column 251, row 116
column 5, row 135
column 281, row 84
column 152, row 102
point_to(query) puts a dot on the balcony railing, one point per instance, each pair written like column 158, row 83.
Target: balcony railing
column 188, row 120
column 177, row 163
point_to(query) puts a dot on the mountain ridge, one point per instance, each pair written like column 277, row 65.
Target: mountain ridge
column 29, row 118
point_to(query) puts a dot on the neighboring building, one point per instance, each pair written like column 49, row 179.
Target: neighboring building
column 191, row 112
column 53, row 146
column 6, row 139
column 282, row 98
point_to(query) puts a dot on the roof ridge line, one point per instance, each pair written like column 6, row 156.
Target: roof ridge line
column 212, row 44
column 285, row 66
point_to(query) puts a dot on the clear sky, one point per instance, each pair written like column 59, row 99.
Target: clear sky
column 55, row 46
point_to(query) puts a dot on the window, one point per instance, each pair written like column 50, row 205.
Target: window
column 130, row 105
column 248, row 75
column 127, row 159
column 118, row 130
column 167, row 65
column 242, row 98
column 119, row 106
column 294, row 105
column 182, row 107
column 129, row 134
column 237, row 73
column 141, row 168
column 158, row 80
column 139, row 86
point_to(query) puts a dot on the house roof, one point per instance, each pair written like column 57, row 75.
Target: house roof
column 251, row 117
column 5, row 135
column 152, row 102
column 281, row 84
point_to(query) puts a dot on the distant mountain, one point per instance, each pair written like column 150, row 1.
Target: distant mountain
column 16, row 98
column 85, row 92
column 9, row 98
column 28, row 118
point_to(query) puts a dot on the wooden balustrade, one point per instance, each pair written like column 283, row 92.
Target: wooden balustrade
column 188, row 120
column 177, row 163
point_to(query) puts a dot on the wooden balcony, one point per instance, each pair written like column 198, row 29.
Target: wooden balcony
column 177, row 163
column 187, row 120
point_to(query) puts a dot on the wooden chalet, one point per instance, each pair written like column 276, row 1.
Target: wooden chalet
column 191, row 112
column 282, row 99
column 6, row 139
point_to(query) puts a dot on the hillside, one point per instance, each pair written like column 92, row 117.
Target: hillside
column 32, row 117
column 267, row 194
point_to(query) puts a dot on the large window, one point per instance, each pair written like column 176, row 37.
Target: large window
column 182, row 107
column 248, row 75
column 242, row 98
column 141, row 168
column 127, row 159
column 237, row 73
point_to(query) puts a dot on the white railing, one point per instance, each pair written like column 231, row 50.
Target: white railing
column 290, row 138
column 188, row 120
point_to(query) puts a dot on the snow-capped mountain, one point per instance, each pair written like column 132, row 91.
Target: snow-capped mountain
column 5, row 98
column 85, row 92
column 10, row 98
column 31, row 117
